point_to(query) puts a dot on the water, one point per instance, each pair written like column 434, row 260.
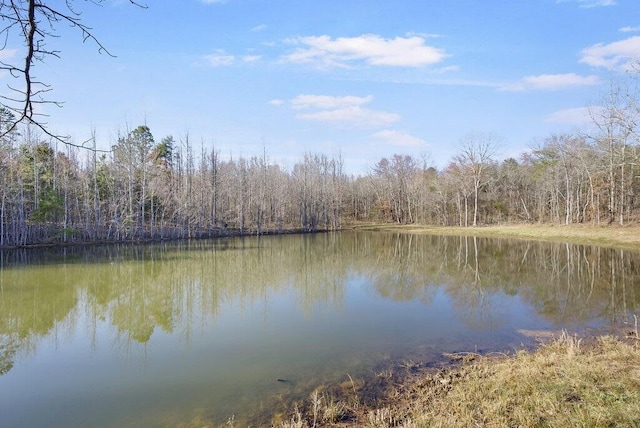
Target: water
column 180, row 333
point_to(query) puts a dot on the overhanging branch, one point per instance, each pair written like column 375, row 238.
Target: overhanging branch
column 31, row 23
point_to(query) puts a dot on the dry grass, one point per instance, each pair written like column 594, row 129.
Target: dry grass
column 627, row 237
column 563, row 383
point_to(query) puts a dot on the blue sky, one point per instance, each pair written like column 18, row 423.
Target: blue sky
column 360, row 78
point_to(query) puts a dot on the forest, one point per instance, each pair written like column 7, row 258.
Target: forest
column 147, row 188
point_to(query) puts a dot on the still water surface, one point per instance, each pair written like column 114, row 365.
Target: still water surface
column 161, row 335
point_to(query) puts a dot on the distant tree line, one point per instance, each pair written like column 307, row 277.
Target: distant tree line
column 169, row 189
column 148, row 189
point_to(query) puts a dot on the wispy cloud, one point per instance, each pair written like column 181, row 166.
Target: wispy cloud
column 629, row 29
column 399, row 139
column 589, row 3
column 551, row 82
column 578, row 116
column 212, row 1
column 220, row 59
column 259, row 28
column 347, row 111
column 618, row 55
column 370, row 49
column 328, row 102
column 447, row 69
column 353, row 116
column 423, row 35
column 251, row 58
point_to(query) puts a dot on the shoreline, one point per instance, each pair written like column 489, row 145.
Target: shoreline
column 587, row 381
column 614, row 236
column 231, row 233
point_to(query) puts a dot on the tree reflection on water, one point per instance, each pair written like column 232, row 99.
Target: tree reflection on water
column 141, row 289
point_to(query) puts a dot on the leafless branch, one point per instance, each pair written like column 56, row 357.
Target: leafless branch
column 31, row 23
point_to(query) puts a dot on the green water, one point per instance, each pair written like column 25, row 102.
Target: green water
column 168, row 334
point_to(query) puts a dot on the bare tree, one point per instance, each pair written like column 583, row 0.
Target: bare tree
column 396, row 176
column 30, row 24
column 617, row 123
column 477, row 151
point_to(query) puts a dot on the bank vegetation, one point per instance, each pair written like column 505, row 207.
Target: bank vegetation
column 564, row 383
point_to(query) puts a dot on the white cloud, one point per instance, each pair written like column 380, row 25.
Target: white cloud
column 355, row 116
column 212, row 1
column 590, row 3
column 347, row 111
column 618, row 55
column 371, row 49
column 220, row 59
column 572, row 116
column 629, row 29
column 552, row 82
column 258, row 28
column 328, row 102
column 399, row 139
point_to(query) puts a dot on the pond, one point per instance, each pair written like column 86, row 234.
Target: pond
column 165, row 334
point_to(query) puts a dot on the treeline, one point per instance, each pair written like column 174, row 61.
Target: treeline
column 148, row 189
column 143, row 189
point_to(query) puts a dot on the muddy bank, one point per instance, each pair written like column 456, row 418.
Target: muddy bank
column 396, row 395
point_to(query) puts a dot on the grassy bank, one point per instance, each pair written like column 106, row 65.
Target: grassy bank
column 563, row 383
column 626, row 237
